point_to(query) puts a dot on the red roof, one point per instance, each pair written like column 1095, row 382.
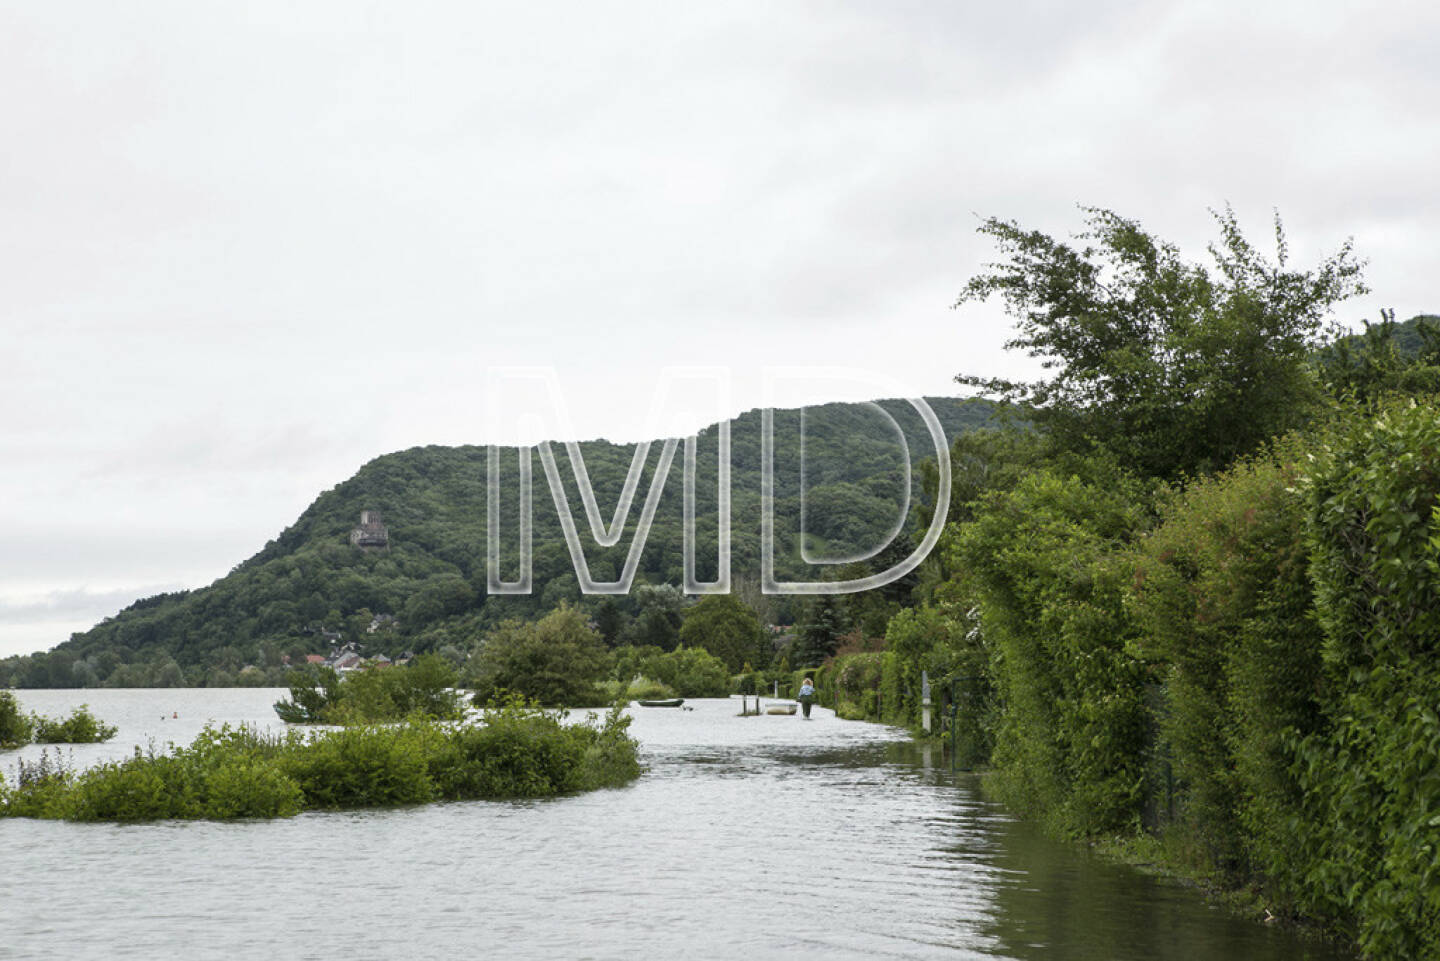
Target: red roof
column 314, row 659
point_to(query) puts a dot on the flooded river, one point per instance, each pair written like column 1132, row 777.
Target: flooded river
column 746, row 838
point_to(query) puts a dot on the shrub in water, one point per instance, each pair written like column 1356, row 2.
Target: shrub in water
column 251, row 788
column 140, row 788
column 81, row 727
column 15, row 728
column 518, row 751
column 40, row 788
column 425, row 687
column 363, row 767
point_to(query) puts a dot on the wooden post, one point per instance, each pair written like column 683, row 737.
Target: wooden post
column 925, row 701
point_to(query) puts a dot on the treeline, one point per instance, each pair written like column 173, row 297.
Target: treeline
column 1198, row 604
column 309, row 588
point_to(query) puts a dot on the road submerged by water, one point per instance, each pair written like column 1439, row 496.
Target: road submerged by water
column 746, row 838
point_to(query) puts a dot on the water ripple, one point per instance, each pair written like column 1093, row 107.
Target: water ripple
column 747, row 838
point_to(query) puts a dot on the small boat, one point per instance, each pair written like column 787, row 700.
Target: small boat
column 672, row 702
column 780, row 709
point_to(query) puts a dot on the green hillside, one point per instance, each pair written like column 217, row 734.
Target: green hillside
column 310, row 584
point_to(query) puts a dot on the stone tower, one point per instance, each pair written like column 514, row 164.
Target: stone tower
column 371, row 533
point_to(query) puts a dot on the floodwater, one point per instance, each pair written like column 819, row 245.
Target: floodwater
column 746, row 838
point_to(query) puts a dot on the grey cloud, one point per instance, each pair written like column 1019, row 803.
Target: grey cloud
column 248, row 247
column 76, row 603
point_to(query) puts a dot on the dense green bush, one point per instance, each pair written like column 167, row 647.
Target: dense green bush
column 1222, row 596
column 1371, row 775
column 39, row 787
column 689, row 672
column 15, row 728
column 556, row 661
column 942, row 640
column 424, row 687
column 81, row 727
column 514, row 751
column 1255, row 679
column 1072, row 738
column 363, row 766
column 641, row 689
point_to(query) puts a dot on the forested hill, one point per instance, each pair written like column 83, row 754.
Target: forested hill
column 311, row 584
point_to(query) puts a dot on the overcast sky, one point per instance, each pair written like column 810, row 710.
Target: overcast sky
column 245, row 248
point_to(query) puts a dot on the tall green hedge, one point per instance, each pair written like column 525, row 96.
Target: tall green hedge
column 1222, row 598
column 1371, row 775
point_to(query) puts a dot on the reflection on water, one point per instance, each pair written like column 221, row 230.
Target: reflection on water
column 760, row 837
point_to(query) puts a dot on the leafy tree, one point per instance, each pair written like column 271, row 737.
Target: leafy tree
column 1386, row 358
column 725, row 627
column 686, row 671
column 376, row 694
column 555, row 661
column 15, row 728
column 658, row 623
column 1171, row 367
column 609, row 620
column 820, row 632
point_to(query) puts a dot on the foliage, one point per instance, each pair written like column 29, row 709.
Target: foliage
column 660, row 611
column 310, row 585
column 555, row 661
column 1385, row 359
column 688, row 672
column 424, row 688
column 943, row 641
column 1172, row 368
column 1071, row 738
column 642, row 689
column 515, row 751
column 15, row 728
column 1371, row 776
column 1222, row 597
column 725, row 627
column 819, row 633
column 81, row 727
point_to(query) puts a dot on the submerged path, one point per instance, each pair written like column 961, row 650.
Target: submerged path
column 760, row 837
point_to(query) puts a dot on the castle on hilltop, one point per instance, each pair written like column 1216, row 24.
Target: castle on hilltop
column 371, row 533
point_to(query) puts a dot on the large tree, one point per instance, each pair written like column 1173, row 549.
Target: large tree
column 1173, row 367
column 819, row 633
column 729, row 630
column 555, row 661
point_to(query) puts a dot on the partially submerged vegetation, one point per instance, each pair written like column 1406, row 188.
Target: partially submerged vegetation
column 424, row 688
column 1186, row 599
column 561, row 661
column 513, row 751
column 1193, row 609
column 80, row 727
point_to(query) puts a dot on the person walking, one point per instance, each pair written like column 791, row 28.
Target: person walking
column 807, row 696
